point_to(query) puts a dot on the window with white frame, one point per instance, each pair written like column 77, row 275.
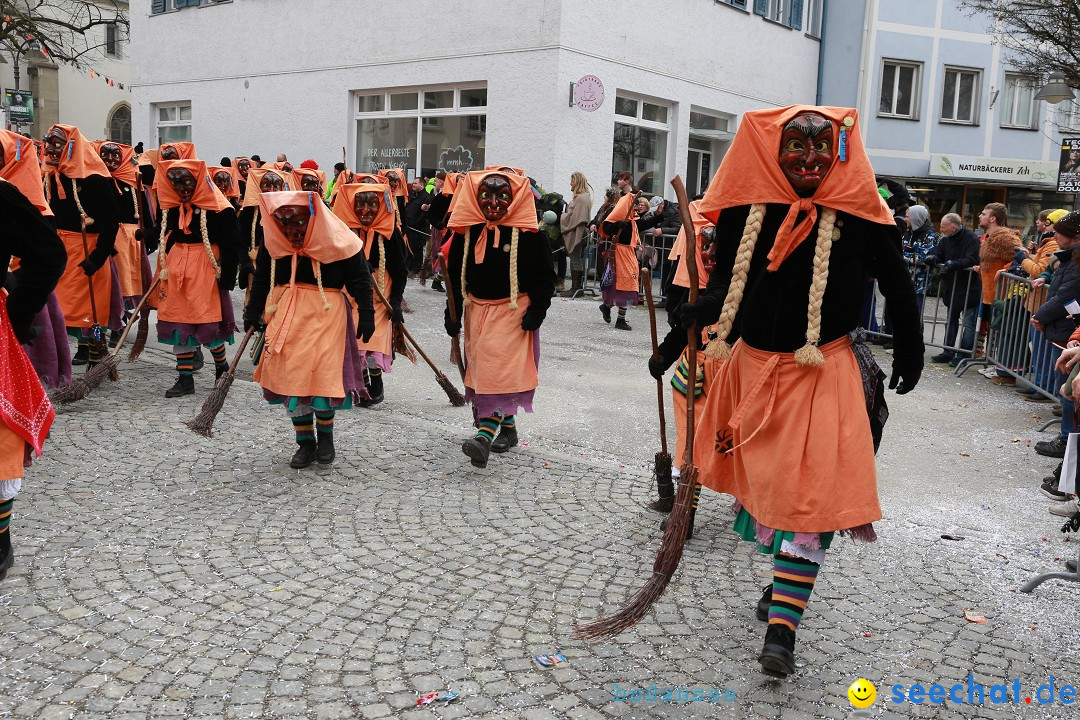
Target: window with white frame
column 959, row 94
column 423, row 130
column 113, row 38
column 173, row 121
column 1019, row 109
column 785, row 12
column 1068, row 116
column 813, row 18
column 734, row 3
column 162, row 6
column 899, row 89
column 640, row 141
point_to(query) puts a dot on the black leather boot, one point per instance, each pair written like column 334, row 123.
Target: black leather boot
column 185, row 385
column 7, row 554
column 81, row 356
column 605, row 310
column 507, row 439
column 478, row 449
column 375, row 391
column 777, row 657
column 764, row 603
column 325, row 454
column 305, row 456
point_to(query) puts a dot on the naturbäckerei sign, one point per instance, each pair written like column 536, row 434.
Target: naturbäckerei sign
column 1034, row 172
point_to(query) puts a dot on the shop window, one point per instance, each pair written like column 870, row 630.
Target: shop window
column 173, row 122
column 640, row 142
column 422, row 130
column 899, row 89
column 1019, row 109
column 959, row 96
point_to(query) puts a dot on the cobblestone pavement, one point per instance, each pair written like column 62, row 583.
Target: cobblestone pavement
column 162, row 575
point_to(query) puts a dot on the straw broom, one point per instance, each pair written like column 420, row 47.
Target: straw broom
column 80, row 387
column 203, row 423
column 662, row 460
column 456, row 398
column 674, row 538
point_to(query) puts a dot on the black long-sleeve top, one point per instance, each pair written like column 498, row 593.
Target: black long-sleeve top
column 245, row 217
column 25, row 234
column 490, row 280
column 396, row 269
column 772, row 315
column 620, row 231
column 220, row 229
column 352, row 275
column 438, row 211
column 98, row 197
column 125, row 206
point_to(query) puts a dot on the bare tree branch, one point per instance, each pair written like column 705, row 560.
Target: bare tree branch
column 1038, row 36
column 64, row 30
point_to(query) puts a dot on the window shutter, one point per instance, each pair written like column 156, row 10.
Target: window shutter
column 157, row 6
column 761, row 7
column 796, row 14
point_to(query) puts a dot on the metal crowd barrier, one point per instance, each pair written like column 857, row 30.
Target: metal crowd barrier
column 655, row 250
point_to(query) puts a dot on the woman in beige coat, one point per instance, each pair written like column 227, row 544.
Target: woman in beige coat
column 574, row 224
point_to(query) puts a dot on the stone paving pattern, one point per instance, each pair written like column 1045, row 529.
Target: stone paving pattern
column 162, row 575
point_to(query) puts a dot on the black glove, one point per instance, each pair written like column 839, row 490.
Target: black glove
column 25, row 334
column 689, row 312
column 365, row 327
column 395, row 313
column 253, row 320
column 226, row 282
column 90, row 266
column 656, row 367
column 950, row 266
column 246, row 271
column 452, row 328
column 905, row 376
column 531, row 321
column 932, row 260
column 1020, row 255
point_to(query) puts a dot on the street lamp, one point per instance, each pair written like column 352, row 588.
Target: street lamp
column 1056, row 89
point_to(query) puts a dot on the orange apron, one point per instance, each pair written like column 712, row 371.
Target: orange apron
column 304, row 355
column 792, row 444
column 73, row 290
column 498, row 352
column 12, row 453
column 382, row 340
column 678, row 402
column 190, row 291
column 129, row 261
column 626, row 269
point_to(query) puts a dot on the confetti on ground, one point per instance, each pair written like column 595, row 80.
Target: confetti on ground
column 976, row 617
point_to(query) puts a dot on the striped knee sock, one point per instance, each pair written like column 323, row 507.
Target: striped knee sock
column 508, row 422
column 184, row 362
column 218, row 354
column 793, row 581
column 374, row 372
column 622, row 312
column 697, row 496
column 5, row 520
column 488, row 427
column 324, row 422
column 305, row 429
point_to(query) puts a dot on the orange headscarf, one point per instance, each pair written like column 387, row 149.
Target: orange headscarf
column 450, row 183
column 185, row 149
column 403, row 184
column 497, row 168
column 751, row 174
column 78, row 159
column 207, row 196
column 298, row 174
column 327, row 240
column 234, row 179
column 384, row 222
column 678, row 250
column 623, row 211
column 255, row 176
column 22, row 168
column 466, row 212
column 128, row 169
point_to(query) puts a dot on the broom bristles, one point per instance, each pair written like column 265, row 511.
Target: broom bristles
column 203, row 423
column 456, row 398
column 140, row 336
column 69, row 392
column 667, row 561
column 104, row 369
column 665, row 489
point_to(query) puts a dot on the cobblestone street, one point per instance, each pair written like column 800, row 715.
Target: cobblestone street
column 159, row 574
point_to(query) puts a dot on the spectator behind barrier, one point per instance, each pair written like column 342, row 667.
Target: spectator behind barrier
column 961, row 291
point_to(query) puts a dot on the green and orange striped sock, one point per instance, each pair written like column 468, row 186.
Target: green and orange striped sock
column 218, row 354
column 184, row 362
column 324, row 422
column 622, row 312
column 488, row 427
column 793, row 581
column 508, row 422
column 305, row 429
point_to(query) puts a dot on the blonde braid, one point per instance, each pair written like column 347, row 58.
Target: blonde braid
column 48, row 188
column 718, row 348
column 380, row 279
column 809, row 355
column 318, row 281
column 272, row 307
column 87, row 221
column 252, row 251
column 135, row 202
column 206, row 243
column 465, row 301
column 163, row 270
column 513, row 269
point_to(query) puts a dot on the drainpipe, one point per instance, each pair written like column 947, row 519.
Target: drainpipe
column 821, row 49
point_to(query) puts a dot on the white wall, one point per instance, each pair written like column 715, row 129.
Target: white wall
column 289, row 91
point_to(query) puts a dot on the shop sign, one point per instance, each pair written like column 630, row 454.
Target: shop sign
column 588, row 93
column 1068, row 176
column 382, row 158
column 456, row 160
column 1028, row 172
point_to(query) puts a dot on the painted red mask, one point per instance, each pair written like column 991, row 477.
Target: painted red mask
column 243, row 166
column 169, row 152
column 111, row 155
column 310, row 183
column 223, row 179
column 271, row 182
column 183, row 182
column 494, row 196
column 293, row 221
column 55, row 141
column 807, row 151
column 366, row 207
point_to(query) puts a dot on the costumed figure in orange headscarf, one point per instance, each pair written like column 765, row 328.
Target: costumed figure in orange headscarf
column 309, row 180
column 368, row 209
column 242, row 166
column 133, row 204
column 619, row 286
column 81, row 194
column 503, row 285
column 25, row 412
column 49, row 352
column 309, row 363
column 197, row 262
column 260, row 180
column 793, row 411
column 225, row 177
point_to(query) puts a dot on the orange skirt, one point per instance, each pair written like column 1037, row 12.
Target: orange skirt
column 627, row 272
column 73, row 290
column 189, row 294
column 12, row 454
column 129, row 261
column 304, row 354
column 382, row 340
column 499, row 355
column 792, row 444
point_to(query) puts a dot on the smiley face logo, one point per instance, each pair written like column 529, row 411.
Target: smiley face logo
column 862, row 693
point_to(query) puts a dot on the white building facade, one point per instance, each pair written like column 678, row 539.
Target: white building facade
column 552, row 86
